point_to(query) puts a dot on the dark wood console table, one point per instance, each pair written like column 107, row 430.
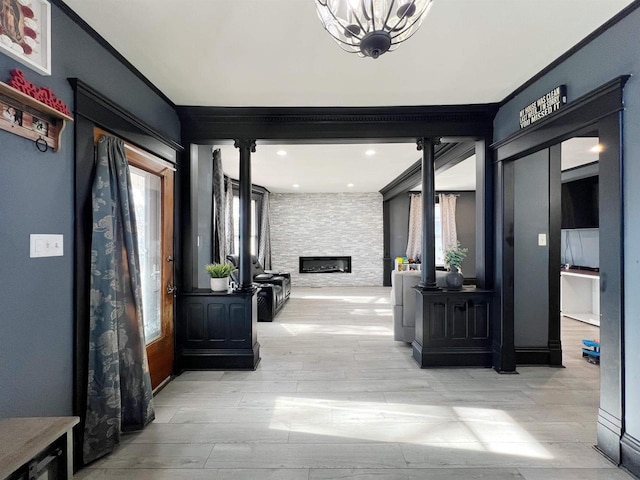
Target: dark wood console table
column 453, row 328
column 217, row 331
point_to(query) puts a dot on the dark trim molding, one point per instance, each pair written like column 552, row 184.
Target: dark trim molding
column 447, row 155
column 94, row 106
column 578, row 46
column 555, row 254
column 563, row 124
column 631, row 454
column 203, row 125
column 68, row 11
column 403, row 182
column 599, row 112
column 535, row 356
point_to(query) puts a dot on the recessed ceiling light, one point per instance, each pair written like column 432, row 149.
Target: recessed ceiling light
column 295, row 185
column 282, row 153
column 370, row 152
column 597, row 148
column 349, row 185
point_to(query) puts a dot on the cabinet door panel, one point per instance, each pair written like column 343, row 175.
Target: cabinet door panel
column 195, row 323
column 438, row 321
column 238, row 327
column 459, row 320
column 480, row 321
column 216, row 320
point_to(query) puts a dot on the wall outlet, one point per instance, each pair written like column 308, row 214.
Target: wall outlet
column 45, row 245
column 542, row 239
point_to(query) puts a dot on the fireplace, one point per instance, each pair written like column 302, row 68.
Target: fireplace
column 325, row 264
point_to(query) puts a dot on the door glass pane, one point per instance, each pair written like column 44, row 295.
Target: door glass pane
column 147, row 197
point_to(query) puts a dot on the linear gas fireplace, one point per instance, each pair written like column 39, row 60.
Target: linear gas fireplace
column 325, row 264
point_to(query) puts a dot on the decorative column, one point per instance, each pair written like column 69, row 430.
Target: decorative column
column 428, row 280
column 246, row 147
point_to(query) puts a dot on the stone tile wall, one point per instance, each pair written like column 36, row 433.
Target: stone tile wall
column 328, row 224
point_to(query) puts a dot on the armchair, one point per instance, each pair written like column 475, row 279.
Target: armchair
column 275, row 288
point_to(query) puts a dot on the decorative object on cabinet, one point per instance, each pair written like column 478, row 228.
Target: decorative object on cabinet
column 220, row 273
column 27, row 115
column 403, row 264
column 453, row 257
column 25, row 33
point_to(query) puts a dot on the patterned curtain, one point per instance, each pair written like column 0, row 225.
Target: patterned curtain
column 228, row 219
column 219, row 217
column 264, row 249
column 448, row 220
column 414, row 244
column 119, row 396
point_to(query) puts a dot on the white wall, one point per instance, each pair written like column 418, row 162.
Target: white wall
column 328, row 224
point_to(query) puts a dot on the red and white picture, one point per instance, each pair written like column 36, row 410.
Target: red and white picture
column 24, row 32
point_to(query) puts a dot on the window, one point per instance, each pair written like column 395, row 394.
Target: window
column 438, row 231
column 236, row 226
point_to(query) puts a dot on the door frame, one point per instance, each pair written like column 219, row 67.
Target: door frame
column 598, row 111
column 165, row 345
column 93, row 109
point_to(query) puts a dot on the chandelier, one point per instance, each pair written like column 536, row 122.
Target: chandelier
column 371, row 27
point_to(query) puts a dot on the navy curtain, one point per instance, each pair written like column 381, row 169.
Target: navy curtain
column 219, row 223
column 119, row 395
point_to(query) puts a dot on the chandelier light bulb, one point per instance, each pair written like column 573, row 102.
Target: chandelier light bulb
column 371, row 27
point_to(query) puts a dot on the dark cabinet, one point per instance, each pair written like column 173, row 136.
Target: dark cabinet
column 453, row 328
column 217, row 331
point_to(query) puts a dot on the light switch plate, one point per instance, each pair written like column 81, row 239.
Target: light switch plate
column 542, row 239
column 41, row 245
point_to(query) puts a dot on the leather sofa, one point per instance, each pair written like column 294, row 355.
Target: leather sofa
column 275, row 288
column 403, row 302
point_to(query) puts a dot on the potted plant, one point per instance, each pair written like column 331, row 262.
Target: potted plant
column 219, row 273
column 453, row 257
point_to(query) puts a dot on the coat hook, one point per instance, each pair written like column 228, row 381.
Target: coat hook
column 41, row 144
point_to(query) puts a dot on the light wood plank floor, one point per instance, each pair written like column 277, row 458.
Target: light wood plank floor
column 335, row 397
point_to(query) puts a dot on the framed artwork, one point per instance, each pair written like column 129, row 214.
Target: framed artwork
column 25, row 33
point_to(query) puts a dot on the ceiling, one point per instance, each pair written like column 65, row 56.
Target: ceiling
column 579, row 151
column 324, row 168
column 247, row 53
column 276, row 52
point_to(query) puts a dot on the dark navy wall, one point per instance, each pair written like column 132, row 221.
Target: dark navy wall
column 611, row 54
column 36, row 196
column 531, row 261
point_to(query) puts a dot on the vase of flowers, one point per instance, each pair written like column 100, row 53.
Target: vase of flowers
column 453, row 257
column 220, row 273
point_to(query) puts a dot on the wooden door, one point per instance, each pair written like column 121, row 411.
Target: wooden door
column 152, row 182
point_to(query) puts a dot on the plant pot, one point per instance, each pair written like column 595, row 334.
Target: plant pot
column 455, row 279
column 220, row 284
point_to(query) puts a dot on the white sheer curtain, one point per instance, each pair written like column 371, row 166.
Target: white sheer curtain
column 448, row 220
column 414, row 244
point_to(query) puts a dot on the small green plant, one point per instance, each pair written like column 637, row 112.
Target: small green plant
column 454, row 255
column 220, row 270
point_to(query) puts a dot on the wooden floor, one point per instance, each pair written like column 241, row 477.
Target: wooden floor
column 335, row 398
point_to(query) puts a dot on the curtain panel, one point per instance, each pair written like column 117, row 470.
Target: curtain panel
column 448, row 220
column 219, row 215
column 228, row 219
column 264, row 249
column 119, row 395
column 414, row 243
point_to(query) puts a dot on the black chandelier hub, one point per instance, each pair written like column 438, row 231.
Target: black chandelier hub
column 374, row 44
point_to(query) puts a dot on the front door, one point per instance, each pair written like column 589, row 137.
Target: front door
column 152, row 189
